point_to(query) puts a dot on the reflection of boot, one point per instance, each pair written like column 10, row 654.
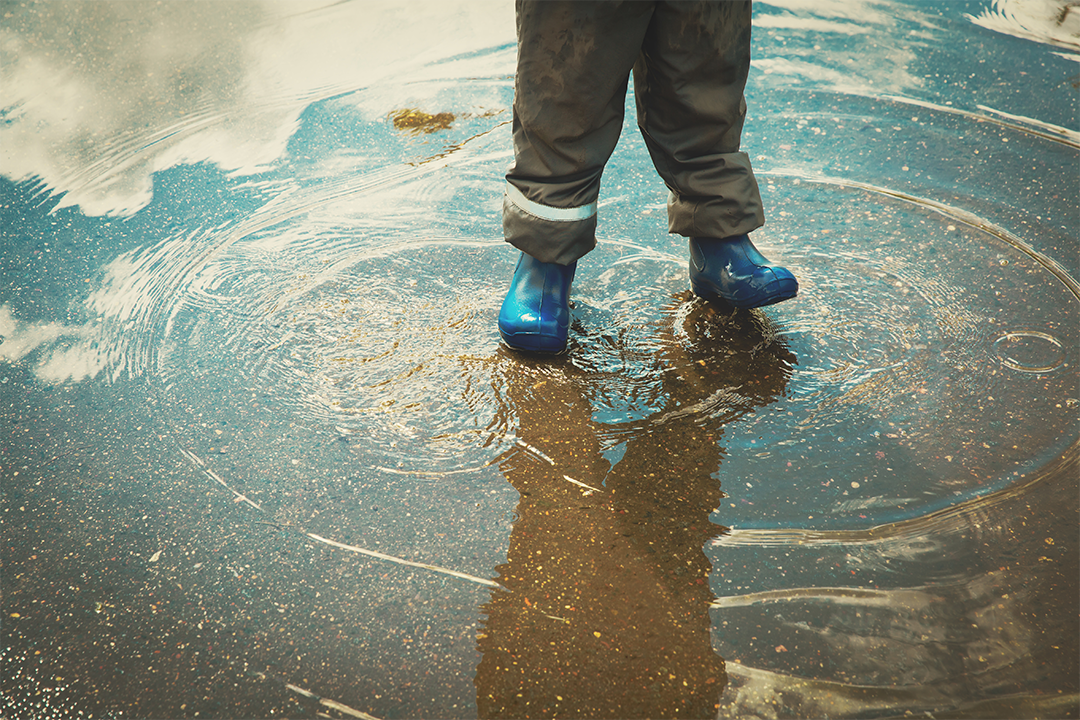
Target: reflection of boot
column 733, row 270
column 535, row 315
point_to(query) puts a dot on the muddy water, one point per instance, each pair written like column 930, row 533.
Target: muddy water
column 264, row 454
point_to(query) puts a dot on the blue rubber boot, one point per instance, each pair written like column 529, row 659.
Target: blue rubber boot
column 535, row 315
column 732, row 269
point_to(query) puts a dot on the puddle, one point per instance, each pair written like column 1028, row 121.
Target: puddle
column 267, row 456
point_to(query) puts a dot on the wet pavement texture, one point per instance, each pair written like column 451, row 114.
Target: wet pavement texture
column 264, row 456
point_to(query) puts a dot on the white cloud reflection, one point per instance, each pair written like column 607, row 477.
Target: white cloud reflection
column 818, row 25
column 846, row 46
column 847, row 16
column 97, row 96
column 1055, row 22
column 64, row 347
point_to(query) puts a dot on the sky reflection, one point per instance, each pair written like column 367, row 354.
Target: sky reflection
column 100, row 96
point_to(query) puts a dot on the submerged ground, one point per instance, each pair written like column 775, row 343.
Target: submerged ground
column 263, row 454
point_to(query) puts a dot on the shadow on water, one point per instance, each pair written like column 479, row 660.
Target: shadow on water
column 264, row 456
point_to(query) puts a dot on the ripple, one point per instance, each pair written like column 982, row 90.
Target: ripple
column 361, row 300
column 899, row 404
column 1029, row 351
column 752, row 692
column 389, row 351
column 888, row 389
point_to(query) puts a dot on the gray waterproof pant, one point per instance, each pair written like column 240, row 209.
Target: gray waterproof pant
column 690, row 62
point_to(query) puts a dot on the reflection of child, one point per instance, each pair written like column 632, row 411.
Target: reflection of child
column 690, row 62
column 602, row 608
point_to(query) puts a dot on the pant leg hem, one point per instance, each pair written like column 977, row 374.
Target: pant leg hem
column 561, row 242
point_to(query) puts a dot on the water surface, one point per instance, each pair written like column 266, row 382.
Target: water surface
column 264, row 454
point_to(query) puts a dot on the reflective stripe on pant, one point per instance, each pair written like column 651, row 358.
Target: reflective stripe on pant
column 690, row 61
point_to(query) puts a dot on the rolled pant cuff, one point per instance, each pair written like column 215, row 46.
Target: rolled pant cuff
column 560, row 241
column 712, row 217
column 720, row 198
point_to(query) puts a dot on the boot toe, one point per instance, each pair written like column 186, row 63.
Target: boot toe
column 530, row 331
column 769, row 285
column 535, row 315
column 548, row 344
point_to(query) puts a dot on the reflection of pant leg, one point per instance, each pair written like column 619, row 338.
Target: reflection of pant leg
column 574, row 59
column 664, row 491
column 689, row 86
column 602, row 613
